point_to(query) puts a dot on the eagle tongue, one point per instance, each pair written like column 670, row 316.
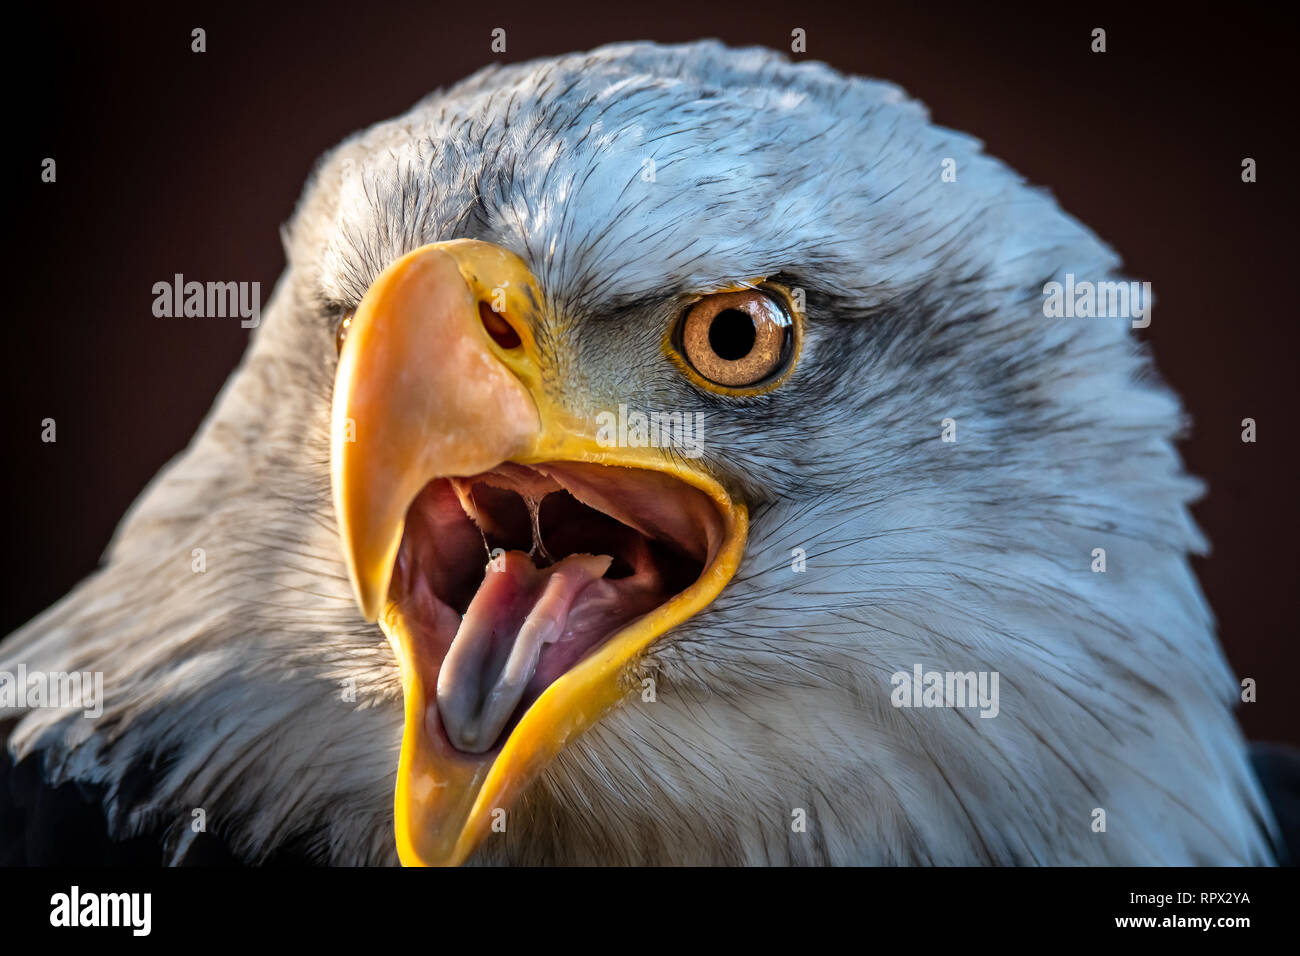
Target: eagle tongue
column 518, row 609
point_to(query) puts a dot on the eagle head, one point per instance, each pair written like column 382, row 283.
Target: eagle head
column 623, row 426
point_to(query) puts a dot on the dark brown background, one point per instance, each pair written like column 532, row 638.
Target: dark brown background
column 171, row 162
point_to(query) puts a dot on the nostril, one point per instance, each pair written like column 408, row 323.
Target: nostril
column 501, row 331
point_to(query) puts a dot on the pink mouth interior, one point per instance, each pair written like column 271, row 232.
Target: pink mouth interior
column 580, row 550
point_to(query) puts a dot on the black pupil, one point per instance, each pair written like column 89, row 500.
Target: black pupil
column 731, row 336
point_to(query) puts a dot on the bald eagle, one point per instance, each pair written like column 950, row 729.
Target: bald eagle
column 631, row 438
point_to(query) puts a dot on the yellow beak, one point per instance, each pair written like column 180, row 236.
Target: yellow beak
column 425, row 391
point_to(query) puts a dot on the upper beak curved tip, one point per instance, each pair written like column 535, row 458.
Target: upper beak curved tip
column 420, row 392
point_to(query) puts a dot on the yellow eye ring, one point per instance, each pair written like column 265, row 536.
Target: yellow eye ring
column 741, row 341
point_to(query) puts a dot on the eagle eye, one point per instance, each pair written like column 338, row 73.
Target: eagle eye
column 738, row 339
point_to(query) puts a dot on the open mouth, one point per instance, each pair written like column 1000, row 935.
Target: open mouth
column 507, row 579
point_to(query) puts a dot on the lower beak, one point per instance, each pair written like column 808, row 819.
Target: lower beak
column 440, row 377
